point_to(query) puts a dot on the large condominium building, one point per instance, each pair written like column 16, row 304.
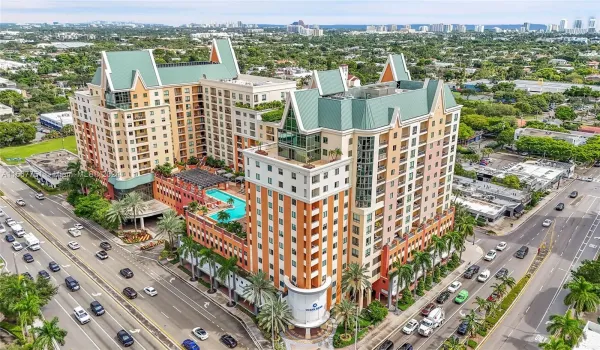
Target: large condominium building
column 137, row 114
column 359, row 175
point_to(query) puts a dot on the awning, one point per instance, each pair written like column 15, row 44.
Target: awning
column 229, row 175
column 219, row 172
column 240, row 179
column 519, row 208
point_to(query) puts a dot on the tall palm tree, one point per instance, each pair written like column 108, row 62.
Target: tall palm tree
column 508, row 281
column 567, row 328
column 187, row 247
column 474, row 323
column 488, row 307
column 454, row 343
column 465, row 224
column 355, row 281
column 171, row 225
column 135, row 205
column 275, row 316
column 227, row 271
column 438, row 245
column 223, row 216
column 583, row 295
column 47, row 334
column 260, row 289
column 456, row 240
column 117, row 214
column 405, row 273
column 554, row 344
column 346, row 312
column 499, row 288
column 421, row 261
column 209, row 256
column 28, row 308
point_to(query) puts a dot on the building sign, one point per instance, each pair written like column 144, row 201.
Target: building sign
column 315, row 307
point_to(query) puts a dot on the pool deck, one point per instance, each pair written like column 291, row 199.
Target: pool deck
column 234, row 190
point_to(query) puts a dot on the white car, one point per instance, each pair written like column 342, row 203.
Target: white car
column 150, row 291
column 11, row 223
column 483, row 276
column 410, row 327
column 501, row 246
column 39, row 196
column 78, row 226
column 454, row 286
column 547, row 223
column 17, row 246
column 74, row 232
column 491, row 255
column 200, row 333
column 81, row 315
column 73, row 245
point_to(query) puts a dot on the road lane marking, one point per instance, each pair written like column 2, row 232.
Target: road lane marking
column 96, row 322
column 164, row 314
column 542, row 287
column 176, row 308
column 79, row 326
column 527, row 310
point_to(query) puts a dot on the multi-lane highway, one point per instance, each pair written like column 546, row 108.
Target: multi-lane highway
column 177, row 308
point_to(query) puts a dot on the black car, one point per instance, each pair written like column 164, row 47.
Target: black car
column 27, row 275
column 503, row 272
column 574, row 194
column 405, row 346
column 105, row 246
column 44, row 274
column 387, row 345
column 28, row 258
column 97, row 308
column 471, row 271
column 443, row 297
column 125, row 338
column 10, row 238
column 130, row 292
column 463, row 328
column 71, row 283
column 54, row 267
column 126, row 272
column 228, row 341
column 560, row 206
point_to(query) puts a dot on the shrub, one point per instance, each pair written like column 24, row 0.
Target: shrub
column 471, row 343
column 436, row 274
column 419, row 290
column 377, row 311
column 507, row 302
column 428, row 282
column 444, row 270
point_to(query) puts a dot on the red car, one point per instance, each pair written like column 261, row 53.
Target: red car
column 427, row 309
column 493, row 297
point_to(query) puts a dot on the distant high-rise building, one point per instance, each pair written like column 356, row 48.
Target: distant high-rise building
column 479, row 28
column 393, row 27
column 424, row 28
column 448, row 28
column 592, row 25
column 526, row 26
column 461, row 28
column 578, row 24
column 563, row 25
column 439, row 27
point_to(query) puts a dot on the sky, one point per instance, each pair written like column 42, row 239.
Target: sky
column 175, row 12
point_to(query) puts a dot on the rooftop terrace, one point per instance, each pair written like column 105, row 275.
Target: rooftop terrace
column 53, row 162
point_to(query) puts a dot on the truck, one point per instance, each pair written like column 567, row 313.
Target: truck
column 435, row 319
column 32, row 242
column 18, row 230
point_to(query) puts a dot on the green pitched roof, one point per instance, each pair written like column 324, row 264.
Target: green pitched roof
column 97, row 79
column 331, row 81
column 399, row 67
column 123, row 65
column 226, row 54
column 449, row 100
column 193, row 73
column 307, row 102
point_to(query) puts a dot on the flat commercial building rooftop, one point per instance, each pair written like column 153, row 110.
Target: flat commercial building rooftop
column 53, row 162
column 481, row 207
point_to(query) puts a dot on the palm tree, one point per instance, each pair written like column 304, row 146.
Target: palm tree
column 421, row 260
column 488, row 307
column 28, row 308
column 228, row 269
column 204, row 210
column 135, row 205
column 117, row 214
column 583, row 295
column 567, row 328
column 223, row 216
column 456, row 240
column 499, row 288
column 47, row 334
column 508, row 281
column 465, row 224
column 438, row 245
column 260, row 289
column 188, row 246
column 554, row 344
column 454, row 343
column 275, row 316
column 405, row 275
column 345, row 311
column 355, row 281
column 230, row 201
column 193, row 207
column 474, row 323
column 209, row 256
column 171, row 225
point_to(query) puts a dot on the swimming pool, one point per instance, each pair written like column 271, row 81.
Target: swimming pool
column 239, row 206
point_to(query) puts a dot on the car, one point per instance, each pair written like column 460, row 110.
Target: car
column 53, row 266
column 484, row 275
column 200, row 333
column 463, row 327
column 125, row 338
column 491, row 255
column 72, row 283
column 44, row 274
column 522, row 252
column 105, row 246
column 410, row 327
column 462, row 296
column 471, row 271
column 454, row 286
column 74, row 232
column 427, row 309
column 78, row 226
column 27, row 275
column 81, row 315
column 150, row 291
column 387, row 345
column 130, row 293
column 574, row 194
column 588, row 179
column 493, row 297
column 560, row 206
column 10, row 222
column 28, row 258
column 40, row 196
column 547, row 223
column 189, row 344
column 10, row 238
column 16, row 246
column 405, row 346
column 97, row 308
column 443, row 297
column 503, row 272
column 228, row 341
column 126, row 272
column 73, row 245
column 20, row 202
column 101, row 254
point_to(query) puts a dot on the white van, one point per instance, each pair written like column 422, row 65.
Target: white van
column 435, row 319
column 18, row 230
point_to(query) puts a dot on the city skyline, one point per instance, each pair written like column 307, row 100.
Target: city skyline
column 319, row 12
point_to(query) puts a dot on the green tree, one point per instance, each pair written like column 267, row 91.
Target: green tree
column 12, row 98
column 506, row 137
column 583, row 295
column 474, row 323
column 567, row 328
column 405, row 274
column 454, row 343
column 48, row 334
column 565, row 113
column 209, row 257
column 488, row 307
column 438, row 245
column 28, row 308
column 260, row 289
column 136, row 205
column 346, row 312
column 275, row 316
column 193, row 207
column 422, row 260
column 223, row 216
column 465, row 224
column 589, row 270
column 171, row 225
column 227, row 272
column 554, row 343
column 465, row 132
column 512, row 181
column 188, row 247
column 355, row 281
column 456, row 240
column 117, row 214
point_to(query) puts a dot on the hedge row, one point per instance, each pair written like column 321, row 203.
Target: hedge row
column 507, row 302
column 36, row 186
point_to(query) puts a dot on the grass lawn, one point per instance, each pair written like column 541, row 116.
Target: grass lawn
column 25, row 151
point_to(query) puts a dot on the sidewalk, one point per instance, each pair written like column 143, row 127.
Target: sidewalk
column 394, row 322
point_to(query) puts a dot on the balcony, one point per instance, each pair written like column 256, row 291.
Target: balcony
column 314, row 248
column 144, row 156
column 382, row 156
column 315, row 211
column 378, row 236
column 402, row 160
column 378, row 246
column 314, row 224
column 314, row 237
column 141, row 140
column 140, row 133
column 418, row 186
column 421, row 153
column 420, row 164
column 380, row 192
column 142, row 149
column 423, row 131
column 383, row 143
column 380, row 180
column 381, row 169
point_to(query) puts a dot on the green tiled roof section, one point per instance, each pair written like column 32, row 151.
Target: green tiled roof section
column 96, row 80
column 131, row 183
column 192, row 74
column 413, row 104
column 449, row 100
column 331, row 81
column 123, row 65
column 411, row 85
column 225, row 52
column 308, row 107
column 401, row 74
column 432, row 87
column 330, row 113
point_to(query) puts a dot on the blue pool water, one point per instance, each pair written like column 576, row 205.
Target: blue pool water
column 239, row 206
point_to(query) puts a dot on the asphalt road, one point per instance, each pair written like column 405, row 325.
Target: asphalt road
column 177, row 308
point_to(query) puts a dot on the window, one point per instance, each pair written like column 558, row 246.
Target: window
column 325, row 140
column 294, row 189
column 269, row 168
column 264, row 97
column 280, row 171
